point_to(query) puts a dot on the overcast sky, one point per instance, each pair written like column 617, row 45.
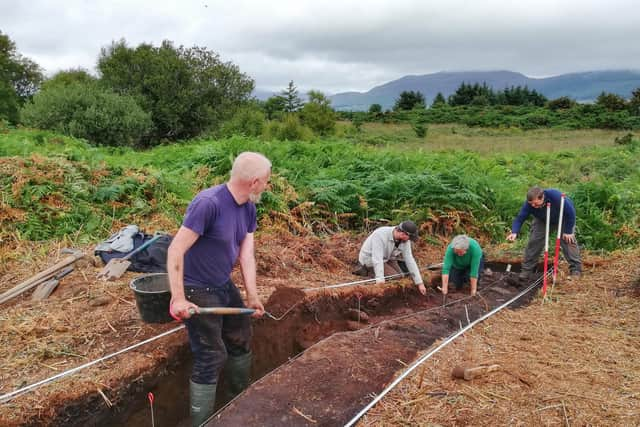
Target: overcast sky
column 336, row 46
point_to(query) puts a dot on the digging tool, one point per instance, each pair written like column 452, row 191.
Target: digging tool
column 468, row 374
column 546, row 252
column 116, row 267
column 45, row 289
column 41, row 277
column 444, row 300
column 222, row 311
column 557, row 254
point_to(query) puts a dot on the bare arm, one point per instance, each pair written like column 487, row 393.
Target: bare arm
column 248, row 268
column 183, row 240
column 445, row 283
column 474, row 285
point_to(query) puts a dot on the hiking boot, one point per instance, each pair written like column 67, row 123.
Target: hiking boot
column 362, row 270
column 574, row 275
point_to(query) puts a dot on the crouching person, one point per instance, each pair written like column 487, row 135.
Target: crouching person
column 387, row 251
column 218, row 230
column 463, row 263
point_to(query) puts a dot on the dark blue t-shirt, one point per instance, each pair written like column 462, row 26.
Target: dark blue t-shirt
column 554, row 197
column 222, row 225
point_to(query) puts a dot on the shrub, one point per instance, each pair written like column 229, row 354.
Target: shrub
column 420, row 129
column 564, row 102
column 624, row 140
column 318, row 115
column 246, row 122
column 289, row 129
column 375, row 109
column 87, row 111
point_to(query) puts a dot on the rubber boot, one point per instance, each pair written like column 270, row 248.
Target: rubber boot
column 203, row 399
column 236, row 375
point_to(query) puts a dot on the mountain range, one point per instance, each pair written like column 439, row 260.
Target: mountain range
column 582, row 87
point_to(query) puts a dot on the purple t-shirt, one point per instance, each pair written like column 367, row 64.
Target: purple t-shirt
column 222, row 225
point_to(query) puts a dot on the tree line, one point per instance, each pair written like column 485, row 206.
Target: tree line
column 148, row 95
column 482, row 95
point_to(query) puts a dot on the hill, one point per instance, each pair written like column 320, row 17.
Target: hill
column 583, row 87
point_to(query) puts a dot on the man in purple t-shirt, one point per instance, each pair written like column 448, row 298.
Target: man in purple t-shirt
column 218, row 230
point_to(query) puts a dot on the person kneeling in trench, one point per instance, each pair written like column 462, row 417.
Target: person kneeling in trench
column 218, row 230
column 463, row 263
column 387, row 251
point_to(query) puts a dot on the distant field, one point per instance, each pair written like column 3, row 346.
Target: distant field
column 484, row 140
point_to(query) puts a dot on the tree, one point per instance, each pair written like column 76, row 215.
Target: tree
column 274, row 107
column 20, row 78
column 634, row 102
column 186, row 90
column 292, row 101
column 68, row 77
column 439, row 100
column 466, row 93
column 408, row 100
column 562, row 103
column 519, row 95
column 375, row 109
column 318, row 115
column 611, row 101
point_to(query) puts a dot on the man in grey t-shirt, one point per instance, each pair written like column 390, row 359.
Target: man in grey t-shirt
column 387, row 251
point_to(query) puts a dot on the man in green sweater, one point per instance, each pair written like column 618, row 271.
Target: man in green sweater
column 463, row 263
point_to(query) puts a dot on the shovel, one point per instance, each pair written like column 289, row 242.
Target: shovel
column 116, row 267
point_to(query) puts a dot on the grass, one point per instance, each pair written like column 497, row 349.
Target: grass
column 442, row 137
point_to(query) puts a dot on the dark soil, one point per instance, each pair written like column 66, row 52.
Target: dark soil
column 346, row 361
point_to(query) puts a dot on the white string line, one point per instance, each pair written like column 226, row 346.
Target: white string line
column 435, row 350
column 9, row 396
column 358, row 282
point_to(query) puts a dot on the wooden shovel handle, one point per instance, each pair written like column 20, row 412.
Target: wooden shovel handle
column 223, row 310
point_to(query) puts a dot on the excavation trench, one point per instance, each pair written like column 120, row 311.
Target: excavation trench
column 345, row 360
column 323, row 360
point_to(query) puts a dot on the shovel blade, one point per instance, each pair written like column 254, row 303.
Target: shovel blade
column 114, row 269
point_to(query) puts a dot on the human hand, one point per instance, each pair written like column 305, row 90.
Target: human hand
column 569, row 238
column 255, row 303
column 422, row 289
column 182, row 309
column 511, row 237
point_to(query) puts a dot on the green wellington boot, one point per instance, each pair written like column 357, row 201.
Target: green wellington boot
column 236, row 375
column 203, row 399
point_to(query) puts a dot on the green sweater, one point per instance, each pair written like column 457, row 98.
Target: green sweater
column 470, row 260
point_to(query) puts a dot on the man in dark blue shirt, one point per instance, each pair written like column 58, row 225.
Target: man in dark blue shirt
column 536, row 205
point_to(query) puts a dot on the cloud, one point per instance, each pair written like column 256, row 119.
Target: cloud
column 340, row 45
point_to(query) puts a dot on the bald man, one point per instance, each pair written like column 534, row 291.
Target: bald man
column 218, row 230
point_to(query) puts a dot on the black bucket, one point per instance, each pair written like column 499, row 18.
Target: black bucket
column 153, row 296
